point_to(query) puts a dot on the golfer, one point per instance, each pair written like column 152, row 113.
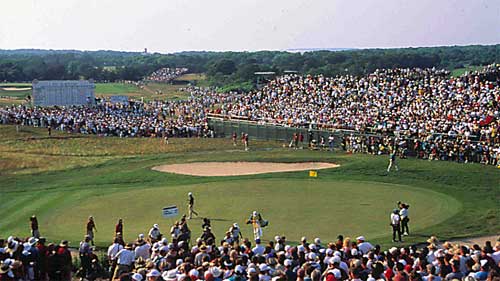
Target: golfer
column 392, row 161
column 191, row 206
column 90, row 229
column 257, row 224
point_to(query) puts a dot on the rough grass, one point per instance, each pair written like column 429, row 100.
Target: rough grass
column 192, row 77
column 451, row 200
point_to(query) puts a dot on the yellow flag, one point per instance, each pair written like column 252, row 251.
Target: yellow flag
column 313, row 174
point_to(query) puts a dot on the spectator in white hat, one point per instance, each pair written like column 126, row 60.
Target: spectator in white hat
column 153, row 275
column 363, row 246
column 136, row 277
column 154, row 234
column 142, row 249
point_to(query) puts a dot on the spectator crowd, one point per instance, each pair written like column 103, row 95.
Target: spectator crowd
column 165, row 74
column 174, row 257
column 135, row 119
column 420, row 111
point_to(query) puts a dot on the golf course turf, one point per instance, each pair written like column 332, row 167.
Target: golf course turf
column 111, row 178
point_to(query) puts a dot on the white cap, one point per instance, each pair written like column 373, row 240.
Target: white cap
column 235, row 225
column 303, row 239
column 190, row 193
column 311, row 256
column 277, row 238
column 317, row 241
column 156, row 225
column 153, row 273
column 254, row 213
column 263, row 267
column 239, row 269
column 335, row 259
column 312, row 247
column 141, row 236
column 329, row 251
column 362, row 238
column 288, row 262
column 251, row 270
column 216, row 272
column 354, row 252
column 137, row 277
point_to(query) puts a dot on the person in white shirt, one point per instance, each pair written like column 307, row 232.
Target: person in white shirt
column 154, row 233
column 235, row 232
column 403, row 213
column 113, row 249
column 258, row 250
column 496, row 255
column 125, row 260
column 142, row 249
column 395, row 223
column 364, row 246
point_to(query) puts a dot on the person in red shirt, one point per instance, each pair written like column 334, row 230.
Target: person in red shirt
column 119, row 227
column 64, row 261
column 90, row 229
column 34, row 227
column 42, row 259
column 400, row 273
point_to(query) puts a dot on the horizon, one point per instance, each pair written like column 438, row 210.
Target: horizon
column 291, row 50
column 223, row 25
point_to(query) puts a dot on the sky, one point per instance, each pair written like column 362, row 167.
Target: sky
column 245, row 25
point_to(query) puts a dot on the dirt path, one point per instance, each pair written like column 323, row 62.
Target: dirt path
column 239, row 168
column 481, row 240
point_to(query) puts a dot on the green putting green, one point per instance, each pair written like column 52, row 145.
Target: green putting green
column 314, row 208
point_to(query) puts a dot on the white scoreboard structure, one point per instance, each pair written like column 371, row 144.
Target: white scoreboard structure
column 63, row 92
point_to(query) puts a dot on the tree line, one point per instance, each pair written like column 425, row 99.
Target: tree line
column 230, row 69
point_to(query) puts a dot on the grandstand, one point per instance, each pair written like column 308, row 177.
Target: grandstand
column 63, row 93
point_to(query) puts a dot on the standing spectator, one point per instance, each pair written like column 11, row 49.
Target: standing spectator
column 245, row 141
column 395, row 223
column 85, row 253
column 63, row 261
column 125, row 260
column 34, row 227
column 154, row 234
column 90, row 229
column 113, row 250
column 191, row 210
column 403, row 213
column 234, row 137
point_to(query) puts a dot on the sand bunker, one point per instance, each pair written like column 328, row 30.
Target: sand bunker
column 15, row 89
column 207, row 169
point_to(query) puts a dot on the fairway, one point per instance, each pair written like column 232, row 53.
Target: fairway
column 326, row 207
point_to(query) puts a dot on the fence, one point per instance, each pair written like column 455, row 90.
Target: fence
column 226, row 128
